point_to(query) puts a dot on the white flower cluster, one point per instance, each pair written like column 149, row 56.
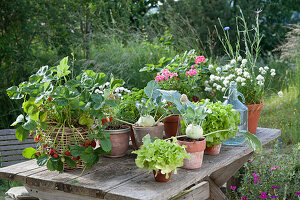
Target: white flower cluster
column 118, row 92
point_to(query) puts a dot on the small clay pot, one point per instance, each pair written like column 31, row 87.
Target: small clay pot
column 153, row 131
column 161, row 177
column 171, row 126
column 196, row 150
column 253, row 116
column 119, row 142
column 213, row 150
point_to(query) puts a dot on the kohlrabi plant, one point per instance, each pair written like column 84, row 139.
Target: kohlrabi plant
column 164, row 155
column 152, row 109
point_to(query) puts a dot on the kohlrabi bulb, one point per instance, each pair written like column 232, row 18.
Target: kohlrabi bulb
column 194, row 131
column 146, row 121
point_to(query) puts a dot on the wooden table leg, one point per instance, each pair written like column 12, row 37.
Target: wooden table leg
column 215, row 191
column 221, row 176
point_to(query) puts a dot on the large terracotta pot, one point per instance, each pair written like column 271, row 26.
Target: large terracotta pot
column 253, row 116
column 119, row 142
column 161, row 177
column 171, row 126
column 154, row 131
column 213, row 150
column 196, row 150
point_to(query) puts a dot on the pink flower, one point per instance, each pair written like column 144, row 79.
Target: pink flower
column 272, row 169
column 255, row 175
column 273, row 197
column 192, row 67
column 233, row 187
column 263, row 195
column 276, row 167
column 298, row 193
column 256, row 180
column 191, row 72
column 274, row 186
column 157, row 79
column 200, row 59
column 244, row 198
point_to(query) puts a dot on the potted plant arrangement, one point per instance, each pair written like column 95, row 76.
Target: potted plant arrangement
column 220, row 118
column 152, row 112
column 250, row 78
column 160, row 156
column 194, row 116
column 183, row 73
column 113, row 92
column 59, row 113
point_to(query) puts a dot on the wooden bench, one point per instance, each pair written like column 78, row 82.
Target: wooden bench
column 11, row 149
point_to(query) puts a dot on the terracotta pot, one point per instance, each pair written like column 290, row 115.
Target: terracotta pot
column 253, row 116
column 119, row 142
column 196, row 150
column 161, row 177
column 213, row 150
column 171, row 126
column 154, row 131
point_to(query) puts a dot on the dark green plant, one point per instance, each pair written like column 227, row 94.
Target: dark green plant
column 51, row 102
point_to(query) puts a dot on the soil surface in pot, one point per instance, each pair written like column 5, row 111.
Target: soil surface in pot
column 116, row 127
column 187, row 139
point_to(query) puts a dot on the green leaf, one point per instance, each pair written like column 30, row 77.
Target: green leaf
column 14, row 93
column 105, row 144
column 72, row 83
column 35, row 115
column 43, row 116
column 61, row 102
column 76, row 150
column 97, row 98
column 70, row 162
column 29, row 152
column 63, row 68
column 44, row 125
column 151, row 90
column 19, row 119
column 252, row 141
column 146, row 140
column 30, row 125
column 89, row 157
column 21, row 133
column 42, row 160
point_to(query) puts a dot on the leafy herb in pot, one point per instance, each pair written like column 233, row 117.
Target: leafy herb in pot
column 161, row 156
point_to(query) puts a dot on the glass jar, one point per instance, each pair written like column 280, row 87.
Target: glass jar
column 233, row 99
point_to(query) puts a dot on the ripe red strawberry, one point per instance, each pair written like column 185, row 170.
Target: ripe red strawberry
column 55, row 155
column 67, row 153
column 103, row 121
column 36, row 139
column 87, row 143
column 38, row 153
column 93, row 143
column 111, row 119
column 45, row 145
column 52, row 151
column 30, row 135
column 49, row 99
column 38, row 136
column 78, row 157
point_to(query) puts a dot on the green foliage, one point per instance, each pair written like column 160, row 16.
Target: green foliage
column 161, row 155
column 278, row 168
column 221, row 118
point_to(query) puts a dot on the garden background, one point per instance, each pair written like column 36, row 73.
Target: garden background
column 121, row 37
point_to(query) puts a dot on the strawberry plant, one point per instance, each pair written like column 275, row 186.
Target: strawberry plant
column 55, row 105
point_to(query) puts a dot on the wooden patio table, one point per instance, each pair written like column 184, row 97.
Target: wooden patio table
column 120, row 179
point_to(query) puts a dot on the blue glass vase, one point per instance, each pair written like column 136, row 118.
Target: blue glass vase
column 233, row 99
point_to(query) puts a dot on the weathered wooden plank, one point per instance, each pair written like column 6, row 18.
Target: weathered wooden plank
column 16, row 142
column 7, row 131
column 11, row 152
column 11, row 172
column 8, row 137
column 16, row 147
column 12, row 158
column 198, row 191
column 57, row 195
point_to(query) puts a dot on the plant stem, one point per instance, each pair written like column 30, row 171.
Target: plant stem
column 124, row 122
